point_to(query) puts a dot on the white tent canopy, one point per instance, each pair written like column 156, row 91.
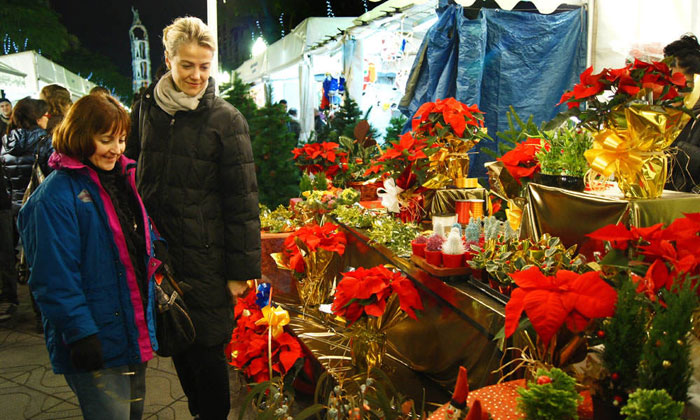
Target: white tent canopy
column 289, row 50
column 11, row 78
column 40, row 72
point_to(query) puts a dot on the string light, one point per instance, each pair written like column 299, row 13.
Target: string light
column 282, row 23
column 329, row 9
column 364, row 4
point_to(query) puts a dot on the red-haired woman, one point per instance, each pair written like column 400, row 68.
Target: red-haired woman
column 89, row 246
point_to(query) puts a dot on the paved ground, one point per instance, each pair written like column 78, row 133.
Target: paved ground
column 30, row 390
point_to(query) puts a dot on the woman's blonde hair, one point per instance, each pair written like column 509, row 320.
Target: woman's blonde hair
column 185, row 30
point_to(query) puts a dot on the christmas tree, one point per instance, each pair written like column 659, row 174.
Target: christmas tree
column 395, row 128
column 344, row 120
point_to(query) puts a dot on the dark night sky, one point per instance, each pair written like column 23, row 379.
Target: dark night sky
column 103, row 25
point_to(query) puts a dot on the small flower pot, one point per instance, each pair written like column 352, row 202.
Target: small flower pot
column 418, row 249
column 453, row 261
column 433, row 257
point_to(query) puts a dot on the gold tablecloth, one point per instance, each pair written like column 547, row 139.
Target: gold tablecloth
column 443, row 201
column 571, row 215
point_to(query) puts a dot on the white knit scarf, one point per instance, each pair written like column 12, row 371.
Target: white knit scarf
column 171, row 100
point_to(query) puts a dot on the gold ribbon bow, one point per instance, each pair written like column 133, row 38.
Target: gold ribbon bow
column 276, row 318
column 611, row 147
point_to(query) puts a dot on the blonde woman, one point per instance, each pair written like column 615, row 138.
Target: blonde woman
column 197, row 178
column 58, row 99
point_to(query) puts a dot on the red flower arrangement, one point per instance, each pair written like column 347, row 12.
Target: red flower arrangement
column 521, row 161
column 321, row 157
column 434, row 117
column 658, row 257
column 248, row 350
column 638, row 80
column 552, row 301
column 365, row 292
column 314, row 237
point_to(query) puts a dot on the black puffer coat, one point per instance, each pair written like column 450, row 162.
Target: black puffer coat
column 685, row 170
column 197, row 179
column 18, row 149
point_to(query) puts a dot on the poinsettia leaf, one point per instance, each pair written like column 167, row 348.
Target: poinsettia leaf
column 616, row 232
column 546, row 311
column 514, row 310
column 615, row 258
column 593, row 297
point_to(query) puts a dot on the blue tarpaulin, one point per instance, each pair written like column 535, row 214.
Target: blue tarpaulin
column 499, row 59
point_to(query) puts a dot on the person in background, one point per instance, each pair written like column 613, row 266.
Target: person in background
column 5, row 114
column 58, row 99
column 685, row 169
column 283, row 103
column 293, row 125
column 196, row 175
column 25, row 138
column 99, row 90
column 90, row 246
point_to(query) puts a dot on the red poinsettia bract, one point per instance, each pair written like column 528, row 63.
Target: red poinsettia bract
column 248, row 350
column 315, row 237
column 454, row 113
column 552, row 301
column 521, row 162
column 320, row 157
column 364, row 292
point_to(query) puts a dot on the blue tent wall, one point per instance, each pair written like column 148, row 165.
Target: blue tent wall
column 500, row 59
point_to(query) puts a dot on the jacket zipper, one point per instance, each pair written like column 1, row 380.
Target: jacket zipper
column 203, row 228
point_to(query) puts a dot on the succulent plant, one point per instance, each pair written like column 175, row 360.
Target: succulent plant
column 435, row 242
column 473, row 231
column 509, row 233
column 453, row 245
column 492, row 228
column 421, row 239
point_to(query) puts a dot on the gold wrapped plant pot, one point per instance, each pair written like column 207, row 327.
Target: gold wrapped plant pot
column 367, row 344
column 648, row 182
column 322, row 267
column 458, row 168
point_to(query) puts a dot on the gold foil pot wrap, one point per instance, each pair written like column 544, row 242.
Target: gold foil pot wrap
column 450, row 164
column 322, row 268
column 514, row 215
column 367, row 344
column 501, row 181
column 636, row 153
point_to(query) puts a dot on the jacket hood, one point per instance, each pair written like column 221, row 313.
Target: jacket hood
column 63, row 161
column 22, row 141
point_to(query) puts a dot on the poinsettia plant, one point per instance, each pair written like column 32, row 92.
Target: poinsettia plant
column 248, row 347
column 313, row 237
column 323, row 157
column 566, row 298
column 365, row 292
column 653, row 83
column 521, row 162
column 448, row 117
column 655, row 257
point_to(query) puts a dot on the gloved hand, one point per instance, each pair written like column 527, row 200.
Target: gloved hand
column 86, row 353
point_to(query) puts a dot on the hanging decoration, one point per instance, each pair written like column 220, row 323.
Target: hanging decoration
column 329, row 9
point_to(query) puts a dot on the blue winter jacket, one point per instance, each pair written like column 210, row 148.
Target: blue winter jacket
column 81, row 274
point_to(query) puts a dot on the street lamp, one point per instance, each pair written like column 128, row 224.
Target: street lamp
column 259, row 46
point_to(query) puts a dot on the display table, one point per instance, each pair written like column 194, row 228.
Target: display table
column 572, row 215
column 456, row 328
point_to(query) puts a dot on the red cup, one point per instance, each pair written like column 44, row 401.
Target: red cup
column 453, row 261
column 418, row 249
column 433, row 257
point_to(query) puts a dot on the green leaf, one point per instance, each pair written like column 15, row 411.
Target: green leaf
column 309, row 411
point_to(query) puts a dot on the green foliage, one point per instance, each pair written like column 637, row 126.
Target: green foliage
column 270, row 400
column 394, row 234
column 624, row 335
column 652, row 404
column 557, row 400
column 565, row 155
column 313, row 182
column 665, row 362
column 34, row 21
column 345, row 118
column 514, row 135
column 279, row 220
column 278, row 177
column 237, row 93
column 393, row 131
column 354, row 216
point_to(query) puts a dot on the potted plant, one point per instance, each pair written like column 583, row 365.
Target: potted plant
column 563, row 163
column 652, row 404
column 552, row 396
column 418, row 245
column 453, row 250
column 367, row 300
column 433, row 250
